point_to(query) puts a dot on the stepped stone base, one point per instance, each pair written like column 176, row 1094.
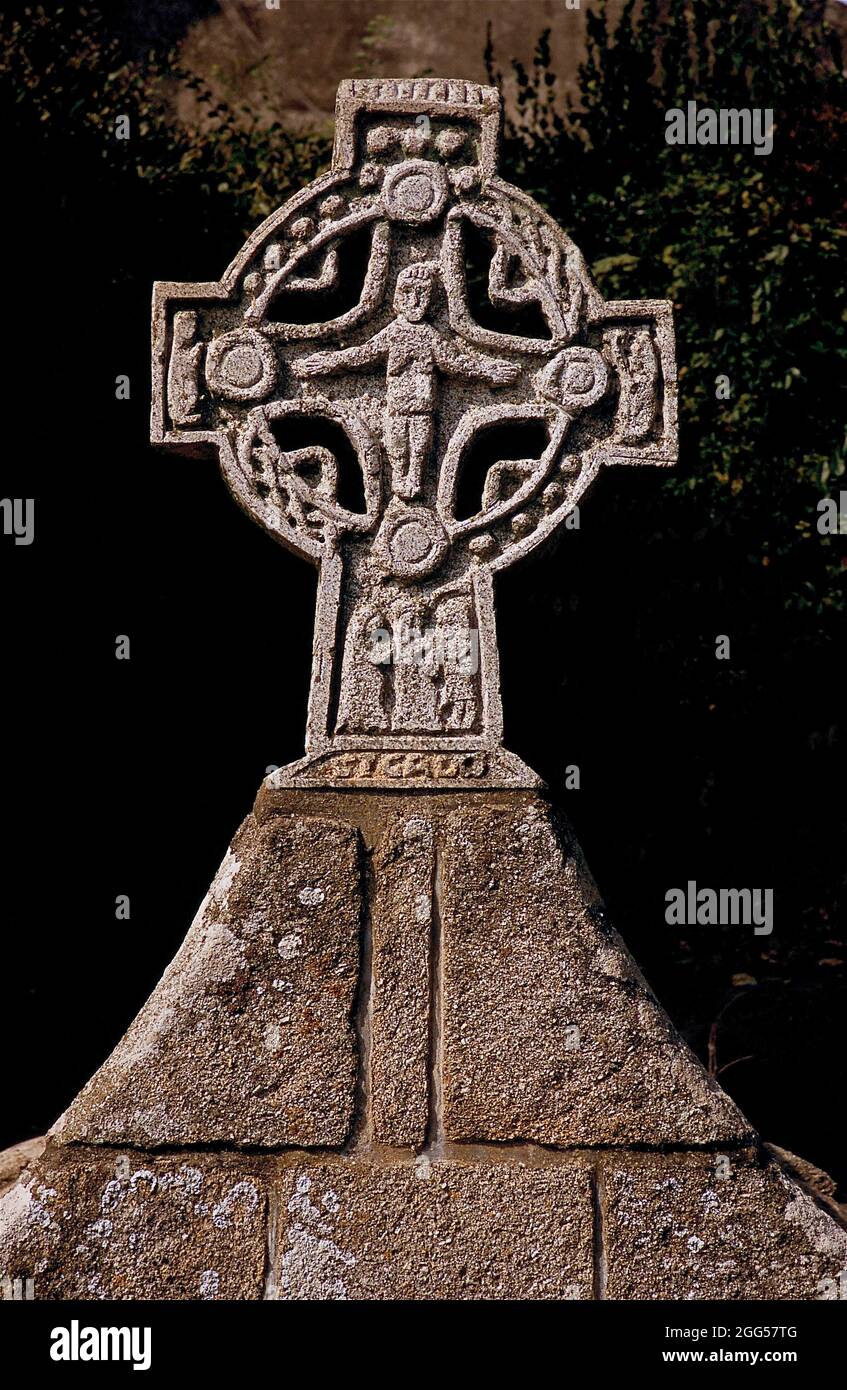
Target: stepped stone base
column 401, row 1054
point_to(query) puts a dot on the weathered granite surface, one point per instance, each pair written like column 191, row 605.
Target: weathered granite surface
column 13, row 1161
column 402, row 925
column 544, row 1028
column 550, row 1031
column 434, row 1230
column 688, row 1226
column 94, row 1225
column 349, row 383
column 248, row 1037
column 474, row 1148
column 479, row 1222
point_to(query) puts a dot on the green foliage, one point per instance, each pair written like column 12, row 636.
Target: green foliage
column 65, row 74
column 750, row 249
column 370, row 55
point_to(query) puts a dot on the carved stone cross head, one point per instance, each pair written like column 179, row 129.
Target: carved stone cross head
column 411, row 379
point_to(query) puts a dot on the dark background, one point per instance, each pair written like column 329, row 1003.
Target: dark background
column 130, row 777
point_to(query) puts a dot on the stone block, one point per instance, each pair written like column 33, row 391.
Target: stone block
column 716, row 1226
column 248, row 1038
column 87, row 1225
column 551, row 1033
column 402, row 930
column 433, row 1230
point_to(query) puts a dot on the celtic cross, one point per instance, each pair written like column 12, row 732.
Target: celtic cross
column 406, row 324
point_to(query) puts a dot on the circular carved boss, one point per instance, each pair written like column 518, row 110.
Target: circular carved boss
column 241, row 366
column 415, row 191
column 576, row 378
column 411, row 542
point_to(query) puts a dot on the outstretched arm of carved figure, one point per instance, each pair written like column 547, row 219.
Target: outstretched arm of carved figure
column 326, row 279
column 456, row 361
column 499, row 290
column 343, row 359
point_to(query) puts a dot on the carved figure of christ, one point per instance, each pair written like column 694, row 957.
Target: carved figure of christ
column 413, row 350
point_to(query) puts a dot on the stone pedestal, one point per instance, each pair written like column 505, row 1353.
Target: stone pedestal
column 403, row 1054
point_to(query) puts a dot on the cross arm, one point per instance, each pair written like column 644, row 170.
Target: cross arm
column 638, row 347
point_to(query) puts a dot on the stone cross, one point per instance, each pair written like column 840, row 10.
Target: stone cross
column 404, row 326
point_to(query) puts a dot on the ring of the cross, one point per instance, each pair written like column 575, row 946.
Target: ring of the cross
column 536, row 471
column 548, row 291
column 256, row 434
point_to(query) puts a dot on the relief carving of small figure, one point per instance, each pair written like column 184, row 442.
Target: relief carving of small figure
column 284, row 276
column 415, row 674
column 457, row 649
column 637, row 364
column 548, row 278
column 327, row 276
column 363, row 702
column 184, row 370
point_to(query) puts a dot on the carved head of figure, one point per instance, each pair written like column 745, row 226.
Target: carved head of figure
column 414, row 290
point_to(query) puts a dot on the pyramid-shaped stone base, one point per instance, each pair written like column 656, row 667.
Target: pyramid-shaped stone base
column 402, row 1054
